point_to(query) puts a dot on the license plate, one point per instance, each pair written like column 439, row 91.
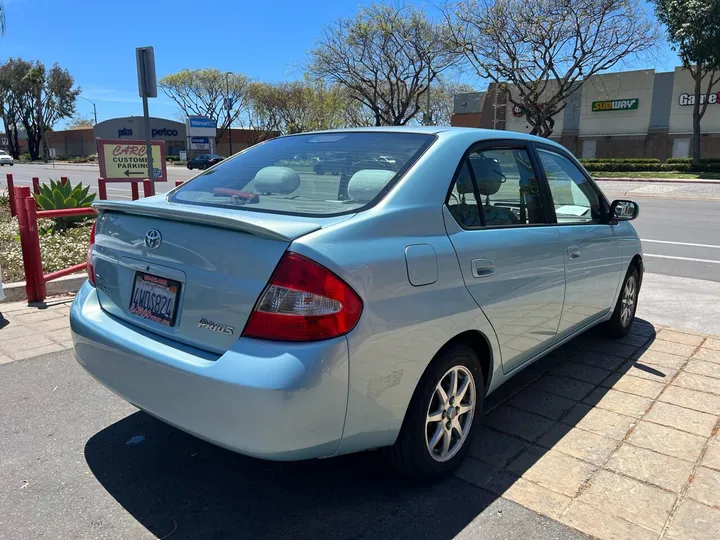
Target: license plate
column 154, row 298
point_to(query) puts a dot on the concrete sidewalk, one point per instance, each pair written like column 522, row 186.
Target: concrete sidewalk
column 614, row 438
column 26, row 332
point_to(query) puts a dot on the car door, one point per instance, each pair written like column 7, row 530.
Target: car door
column 593, row 258
column 510, row 254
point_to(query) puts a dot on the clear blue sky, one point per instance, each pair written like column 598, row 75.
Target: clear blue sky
column 96, row 40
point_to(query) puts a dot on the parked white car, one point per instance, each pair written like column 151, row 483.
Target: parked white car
column 6, row 159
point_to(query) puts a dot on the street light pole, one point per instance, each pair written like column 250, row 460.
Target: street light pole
column 227, row 108
column 94, row 108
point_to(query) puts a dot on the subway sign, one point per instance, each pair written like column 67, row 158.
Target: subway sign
column 615, row 105
column 689, row 99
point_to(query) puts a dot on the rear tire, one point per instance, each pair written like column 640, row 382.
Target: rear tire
column 426, row 450
column 622, row 318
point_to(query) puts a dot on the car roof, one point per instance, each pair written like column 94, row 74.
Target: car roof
column 446, row 133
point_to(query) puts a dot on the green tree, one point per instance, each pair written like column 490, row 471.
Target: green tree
column 298, row 106
column 80, row 123
column 693, row 28
column 12, row 88
column 545, row 49
column 50, row 97
column 36, row 98
column 386, row 57
column 202, row 92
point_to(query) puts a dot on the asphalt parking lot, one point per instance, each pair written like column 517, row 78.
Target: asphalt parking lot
column 78, row 462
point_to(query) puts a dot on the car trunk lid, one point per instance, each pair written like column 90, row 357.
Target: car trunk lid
column 189, row 273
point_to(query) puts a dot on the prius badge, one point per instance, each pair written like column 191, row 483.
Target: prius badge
column 220, row 328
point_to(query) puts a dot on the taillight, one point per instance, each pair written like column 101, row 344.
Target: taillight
column 90, row 269
column 304, row 301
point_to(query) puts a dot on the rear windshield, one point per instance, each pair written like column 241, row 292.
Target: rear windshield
column 315, row 174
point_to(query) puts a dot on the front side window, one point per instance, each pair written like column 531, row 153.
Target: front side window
column 316, row 174
column 574, row 198
column 505, row 183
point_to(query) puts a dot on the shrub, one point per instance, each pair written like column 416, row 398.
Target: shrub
column 174, row 159
column 25, row 156
column 58, row 251
column 57, row 196
column 620, row 160
column 4, row 200
column 650, row 167
column 714, row 161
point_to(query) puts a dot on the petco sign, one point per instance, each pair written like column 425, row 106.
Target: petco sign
column 689, row 99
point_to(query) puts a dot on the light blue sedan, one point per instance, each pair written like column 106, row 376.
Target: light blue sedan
column 287, row 314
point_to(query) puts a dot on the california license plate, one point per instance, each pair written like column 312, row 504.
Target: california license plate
column 154, row 298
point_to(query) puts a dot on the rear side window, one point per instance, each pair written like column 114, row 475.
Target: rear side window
column 505, row 183
column 309, row 174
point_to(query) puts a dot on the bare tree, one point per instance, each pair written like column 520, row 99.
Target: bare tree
column 442, row 102
column 386, row 57
column 544, row 50
column 202, row 92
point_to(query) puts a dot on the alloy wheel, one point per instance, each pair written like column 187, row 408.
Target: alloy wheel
column 450, row 413
column 627, row 307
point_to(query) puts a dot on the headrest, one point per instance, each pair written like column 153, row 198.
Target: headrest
column 488, row 174
column 464, row 181
column 367, row 183
column 281, row 180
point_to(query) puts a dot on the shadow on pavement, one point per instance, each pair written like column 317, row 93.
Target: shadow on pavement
column 174, row 483
column 178, row 486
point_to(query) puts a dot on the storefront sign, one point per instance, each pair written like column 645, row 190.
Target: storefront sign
column 126, row 160
column 200, row 126
column 689, row 99
column 615, row 105
column 199, row 143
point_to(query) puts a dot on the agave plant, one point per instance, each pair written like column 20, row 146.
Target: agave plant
column 59, row 196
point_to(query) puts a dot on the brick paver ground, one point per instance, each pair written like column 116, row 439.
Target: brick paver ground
column 618, row 439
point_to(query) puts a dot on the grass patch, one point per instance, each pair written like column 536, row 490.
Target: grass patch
column 671, row 175
column 59, row 250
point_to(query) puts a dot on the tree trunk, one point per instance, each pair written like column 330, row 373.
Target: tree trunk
column 696, row 116
column 15, row 147
column 33, row 147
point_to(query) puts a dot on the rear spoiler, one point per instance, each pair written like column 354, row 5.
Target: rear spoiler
column 264, row 225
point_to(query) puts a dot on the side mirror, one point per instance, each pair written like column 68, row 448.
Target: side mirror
column 623, row 210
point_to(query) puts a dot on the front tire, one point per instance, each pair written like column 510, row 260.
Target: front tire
column 624, row 314
column 439, row 424
column 189, row 166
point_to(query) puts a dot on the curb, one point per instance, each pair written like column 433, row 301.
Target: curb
column 657, row 180
column 15, row 292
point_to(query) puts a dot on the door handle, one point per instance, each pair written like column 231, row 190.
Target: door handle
column 482, row 268
column 573, row 253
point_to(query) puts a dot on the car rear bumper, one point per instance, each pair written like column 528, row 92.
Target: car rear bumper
column 270, row 400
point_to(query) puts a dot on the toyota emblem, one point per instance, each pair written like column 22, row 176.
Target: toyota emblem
column 153, row 239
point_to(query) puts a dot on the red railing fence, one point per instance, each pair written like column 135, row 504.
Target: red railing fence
column 27, row 216
column 24, row 207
